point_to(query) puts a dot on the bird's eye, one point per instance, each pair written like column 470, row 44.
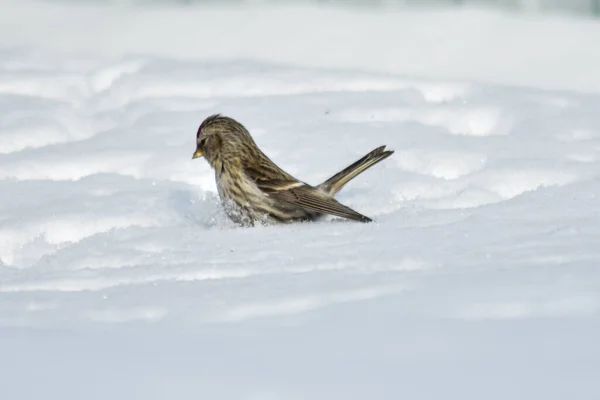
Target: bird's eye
column 201, row 142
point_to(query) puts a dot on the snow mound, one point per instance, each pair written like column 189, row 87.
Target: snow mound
column 121, row 277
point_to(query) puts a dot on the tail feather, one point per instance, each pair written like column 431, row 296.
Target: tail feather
column 332, row 185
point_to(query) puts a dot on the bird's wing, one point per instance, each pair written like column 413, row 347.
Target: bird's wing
column 304, row 196
column 311, row 199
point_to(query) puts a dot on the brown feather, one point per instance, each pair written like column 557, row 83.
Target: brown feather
column 337, row 181
column 309, row 198
column 253, row 188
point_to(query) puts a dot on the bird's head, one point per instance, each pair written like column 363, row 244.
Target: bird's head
column 219, row 137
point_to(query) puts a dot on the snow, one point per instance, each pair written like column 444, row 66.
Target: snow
column 121, row 277
column 472, row 44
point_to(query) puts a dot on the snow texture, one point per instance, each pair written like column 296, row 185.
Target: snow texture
column 121, row 278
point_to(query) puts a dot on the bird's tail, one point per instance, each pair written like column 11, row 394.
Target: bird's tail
column 332, row 185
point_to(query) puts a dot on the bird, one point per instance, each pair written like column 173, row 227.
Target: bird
column 254, row 190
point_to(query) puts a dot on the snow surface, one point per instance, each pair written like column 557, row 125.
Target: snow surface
column 121, row 278
column 473, row 44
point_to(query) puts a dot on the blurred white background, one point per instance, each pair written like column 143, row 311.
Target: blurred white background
column 474, row 43
column 589, row 7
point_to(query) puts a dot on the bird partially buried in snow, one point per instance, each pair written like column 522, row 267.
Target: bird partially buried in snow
column 253, row 189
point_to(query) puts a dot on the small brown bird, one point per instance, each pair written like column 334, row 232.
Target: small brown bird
column 255, row 190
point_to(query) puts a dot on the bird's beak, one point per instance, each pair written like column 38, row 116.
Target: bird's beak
column 198, row 153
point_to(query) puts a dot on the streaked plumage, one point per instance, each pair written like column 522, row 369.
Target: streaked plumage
column 254, row 189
